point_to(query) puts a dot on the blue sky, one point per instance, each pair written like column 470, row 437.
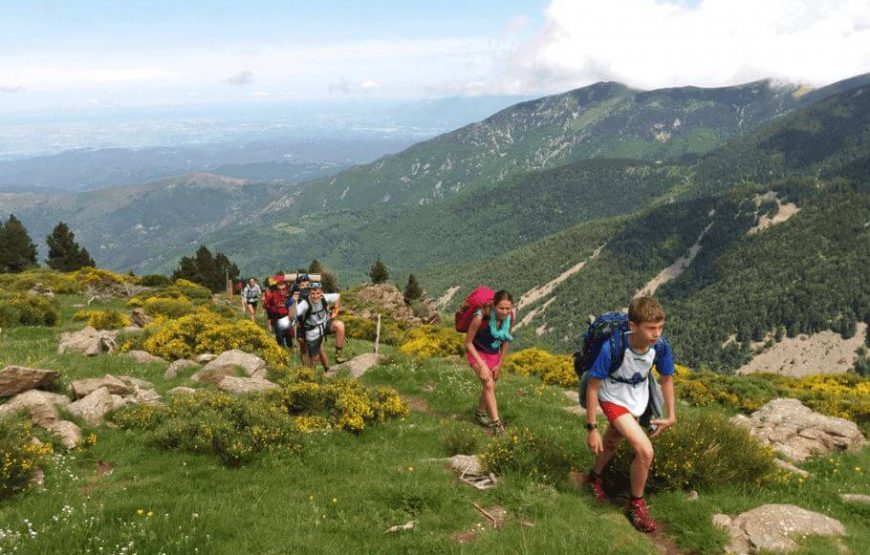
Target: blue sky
column 75, row 54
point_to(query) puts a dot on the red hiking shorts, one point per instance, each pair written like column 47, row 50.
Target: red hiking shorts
column 612, row 411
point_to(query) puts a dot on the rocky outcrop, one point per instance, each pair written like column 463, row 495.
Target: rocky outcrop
column 88, row 341
column 773, row 528
column 69, row 434
column 41, row 406
column 205, row 358
column 115, row 386
column 177, row 366
column 226, row 364
column 144, row 357
column 16, row 379
column 241, row 386
column 797, row 432
column 358, row 365
column 385, row 298
column 140, row 318
column 93, row 407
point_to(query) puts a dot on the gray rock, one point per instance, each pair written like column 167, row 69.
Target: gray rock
column 115, row 386
column 146, row 395
column 572, row 395
column 119, row 402
column 133, row 381
column 798, row 433
column 144, row 357
column 88, row 341
column 213, row 375
column 722, row 521
column 177, row 366
column 774, row 527
column 241, row 386
column 855, row 498
column 205, row 358
column 181, row 391
column 140, row 318
column 253, row 366
column 358, row 365
column 93, row 407
column 67, row 432
column 15, row 379
column 785, row 465
column 40, row 406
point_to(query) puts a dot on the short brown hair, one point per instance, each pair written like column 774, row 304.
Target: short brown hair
column 645, row 309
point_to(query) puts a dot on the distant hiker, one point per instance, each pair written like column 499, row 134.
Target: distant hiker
column 618, row 379
column 316, row 316
column 250, row 297
column 302, row 286
column 279, row 304
column 270, row 287
column 487, row 340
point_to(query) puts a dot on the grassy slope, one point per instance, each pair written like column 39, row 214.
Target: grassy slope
column 284, row 503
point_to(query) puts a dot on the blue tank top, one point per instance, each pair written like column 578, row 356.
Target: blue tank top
column 484, row 340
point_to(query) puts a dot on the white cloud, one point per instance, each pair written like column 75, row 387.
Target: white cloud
column 649, row 44
column 244, row 77
column 369, row 85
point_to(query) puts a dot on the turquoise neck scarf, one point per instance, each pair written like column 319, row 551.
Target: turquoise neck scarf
column 502, row 334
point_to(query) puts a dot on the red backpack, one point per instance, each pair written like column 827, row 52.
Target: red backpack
column 475, row 300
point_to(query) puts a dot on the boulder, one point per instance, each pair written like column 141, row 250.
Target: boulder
column 797, row 432
column 773, row 528
column 241, row 386
column 859, row 498
column 205, row 358
column 358, row 365
column 40, row 405
column 133, row 382
column 254, row 366
column 121, row 402
column 146, row 395
column 181, row 391
column 93, row 407
column 140, row 318
column 177, row 366
column 787, row 466
column 67, row 432
column 39, row 289
column 88, row 341
column 15, row 379
column 213, row 375
column 144, row 357
column 115, row 386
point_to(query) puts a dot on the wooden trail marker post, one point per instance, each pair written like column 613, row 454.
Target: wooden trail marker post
column 378, row 335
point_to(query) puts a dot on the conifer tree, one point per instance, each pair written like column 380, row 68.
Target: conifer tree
column 17, row 251
column 207, row 270
column 64, row 254
column 315, row 267
column 378, row 272
column 412, row 291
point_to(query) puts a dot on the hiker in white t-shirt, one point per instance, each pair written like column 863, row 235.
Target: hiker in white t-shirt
column 250, row 297
column 316, row 316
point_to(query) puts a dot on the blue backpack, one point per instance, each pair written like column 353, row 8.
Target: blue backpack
column 611, row 328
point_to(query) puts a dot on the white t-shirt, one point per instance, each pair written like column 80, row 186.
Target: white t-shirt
column 319, row 316
column 635, row 367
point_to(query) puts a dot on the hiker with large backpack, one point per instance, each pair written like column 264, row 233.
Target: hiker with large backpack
column 316, row 315
column 487, row 318
column 278, row 304
column 250, row 296
column 615, row 365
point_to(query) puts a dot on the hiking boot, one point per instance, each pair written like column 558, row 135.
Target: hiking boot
column 596, row 486
column 638, row 515
column 496, row 427
column 482, row 419
column 339, row 357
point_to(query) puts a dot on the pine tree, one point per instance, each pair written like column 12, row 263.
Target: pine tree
column 17, row 251
column 329, row 281
column 378, row 272
column 412, row 290
column 64, row 254
column 315, row 267
column 207, row 270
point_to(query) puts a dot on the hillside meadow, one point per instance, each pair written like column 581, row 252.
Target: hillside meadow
column 323, row 486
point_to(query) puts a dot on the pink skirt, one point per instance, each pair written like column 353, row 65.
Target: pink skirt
column 491, row 360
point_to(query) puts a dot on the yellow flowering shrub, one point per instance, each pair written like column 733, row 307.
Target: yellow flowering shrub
column 205, row 331
column 529, row 453
column 552, row 369
column 55, row 281
column 20, row 456
column 433, row 341
column 307, row 423
column 192, row 290
column 27, row 310
column 362, row 328
column 97, row 277
column 103, row 319
column 703, row 451
column 171, row 307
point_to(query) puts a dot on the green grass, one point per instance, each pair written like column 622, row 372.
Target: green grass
column 389, row 474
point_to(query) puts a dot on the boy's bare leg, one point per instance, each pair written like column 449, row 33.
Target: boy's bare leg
column 324, row 360
column 610, row 442
column 630, row 429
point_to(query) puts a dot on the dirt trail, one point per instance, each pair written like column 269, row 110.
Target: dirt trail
column 445, row 299
column 676, row 269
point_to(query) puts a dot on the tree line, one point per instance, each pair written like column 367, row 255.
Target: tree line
column 18, row 252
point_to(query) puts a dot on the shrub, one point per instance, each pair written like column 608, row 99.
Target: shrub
column 27, row 310
column 432, row 341
column 192, row 290
column 154, row 280
column 362, row 328
column 96, row 277
column 56, row 281
column 169, row 307
column 702, row 451
column 552, row 369
column 103, row 319
column 205, row 331
column 20, row 456
column 525, row 452
column 461, row 437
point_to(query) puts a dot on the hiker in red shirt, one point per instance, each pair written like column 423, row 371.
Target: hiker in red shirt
column 278, row 304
